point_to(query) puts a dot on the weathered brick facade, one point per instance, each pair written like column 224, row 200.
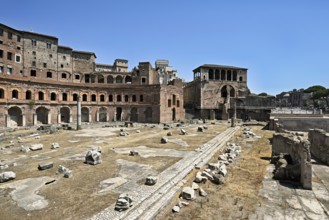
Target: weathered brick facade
column 209, row 94
column 42, row 86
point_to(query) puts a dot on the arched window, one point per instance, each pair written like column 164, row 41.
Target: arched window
column 75, row 97
column 128, row 79
column 134, row 98
column 100, row 79
column 235, row 75
column 141, row 98
column 93, row 98
column 2, row 94
column 240, row 78
column 28, row 95
column 84, row 98
column 14, row 94
column 41, row 95
column 229, row 75
column 110, row 79
column 126, row 98
column 118, row 79
column 64, row 96
column 102, row 98
column 211, row 74
column 217, row 75
column 110, row 98
column 53, row 96
column 118, row 98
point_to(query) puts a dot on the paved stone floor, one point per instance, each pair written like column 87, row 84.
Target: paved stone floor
column 149, row 200
column 285, row 200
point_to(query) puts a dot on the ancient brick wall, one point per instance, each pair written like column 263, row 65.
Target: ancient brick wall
column 11, row 51
column 172, row 102
column 40, row 54
column 319, row 144
column 299, row 151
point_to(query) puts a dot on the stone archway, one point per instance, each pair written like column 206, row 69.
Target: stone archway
column 42, row 115
column 84, row 114
column 15, row 117
column 65, row 114
column 148, row 115
column 174, row 114
column 118, row 113
column 133, row 115
column 224, row 92
column 102, row 114
column 232, row 92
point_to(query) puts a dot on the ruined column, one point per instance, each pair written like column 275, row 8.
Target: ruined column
column 7, row 121
column 97, row 116
column 59, row 119
column 23, row 120
column 78, row 113
column 49, row 118
column 233, row 119
column 35, row 119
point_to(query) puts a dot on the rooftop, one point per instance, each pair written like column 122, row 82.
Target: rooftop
column 218, row 66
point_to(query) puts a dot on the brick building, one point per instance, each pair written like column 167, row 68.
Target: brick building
column 215, row 89
column 40, row 82
column 209, row 94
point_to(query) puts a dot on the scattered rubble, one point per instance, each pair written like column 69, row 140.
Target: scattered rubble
column 25, row 149
column 35, row 147
column 93, row 157
column 6, row 176
column 164, row 140
column 183, row 132
column 133, row 153
column 124, row 202
column 45, row 166
column 202, row 192
column 188, row 193
column 54, row 146
column 176, row 208
column 151, row 180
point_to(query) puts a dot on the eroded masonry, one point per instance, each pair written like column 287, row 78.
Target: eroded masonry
column 41, row 82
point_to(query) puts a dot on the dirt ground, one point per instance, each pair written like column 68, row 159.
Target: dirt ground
column 238, row 197
column 76, row 197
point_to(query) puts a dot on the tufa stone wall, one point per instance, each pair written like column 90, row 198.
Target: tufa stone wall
column 319, row 144
column 299, row 152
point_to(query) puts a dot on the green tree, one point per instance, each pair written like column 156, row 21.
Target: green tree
column 263, row 94
column 315, row 88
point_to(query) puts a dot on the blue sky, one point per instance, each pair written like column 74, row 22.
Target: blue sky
column 284, row 44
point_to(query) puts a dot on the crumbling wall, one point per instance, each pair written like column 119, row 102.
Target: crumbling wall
column 299, row 152
column 319, row 144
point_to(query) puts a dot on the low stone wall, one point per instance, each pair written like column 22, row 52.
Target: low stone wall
column 319, row 144
column 301, row 123
column 299, row 151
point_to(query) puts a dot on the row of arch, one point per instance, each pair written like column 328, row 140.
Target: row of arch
column 88, row 78
column 16, row 117
column 99, row 78
column 223, row 75
column 93, row 97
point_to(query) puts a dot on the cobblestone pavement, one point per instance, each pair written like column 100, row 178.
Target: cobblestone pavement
column 287, row 201
column 149, row 200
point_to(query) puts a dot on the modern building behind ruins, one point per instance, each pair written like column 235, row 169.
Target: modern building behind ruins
column 217, row 88
column 40, row 82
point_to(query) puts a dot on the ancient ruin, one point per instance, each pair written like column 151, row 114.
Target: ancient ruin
column 160, row 148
